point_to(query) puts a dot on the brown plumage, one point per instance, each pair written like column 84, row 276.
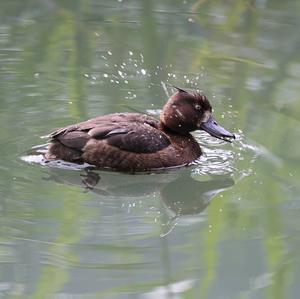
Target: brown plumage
column 136, row 142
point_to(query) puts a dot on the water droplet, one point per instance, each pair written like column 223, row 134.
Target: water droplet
column 142, row 57
column 130, row 53
column 143, row 71
column 105, row 75
column 109, row 53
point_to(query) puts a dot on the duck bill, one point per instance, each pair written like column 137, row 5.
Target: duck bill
column 214, row 129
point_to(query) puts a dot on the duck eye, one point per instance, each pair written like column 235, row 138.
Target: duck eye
column 198, row 107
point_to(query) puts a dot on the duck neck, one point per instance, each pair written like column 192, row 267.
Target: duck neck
column 167, row 129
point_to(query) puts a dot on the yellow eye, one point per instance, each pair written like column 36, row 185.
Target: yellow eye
column 198, row 107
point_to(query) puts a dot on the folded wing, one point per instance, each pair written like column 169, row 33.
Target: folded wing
column 136, row 135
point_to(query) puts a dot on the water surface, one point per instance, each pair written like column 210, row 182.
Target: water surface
column 226, row 227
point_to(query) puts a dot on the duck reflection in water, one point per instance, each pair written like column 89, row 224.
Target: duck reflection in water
column 179, row 193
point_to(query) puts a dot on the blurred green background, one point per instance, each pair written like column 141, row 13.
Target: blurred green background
column 227, row 227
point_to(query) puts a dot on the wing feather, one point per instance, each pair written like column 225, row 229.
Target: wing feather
column 131, row 132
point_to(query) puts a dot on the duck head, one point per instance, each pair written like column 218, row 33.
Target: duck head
column 186, row 112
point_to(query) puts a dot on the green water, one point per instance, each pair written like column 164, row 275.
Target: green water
column 227, row 227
